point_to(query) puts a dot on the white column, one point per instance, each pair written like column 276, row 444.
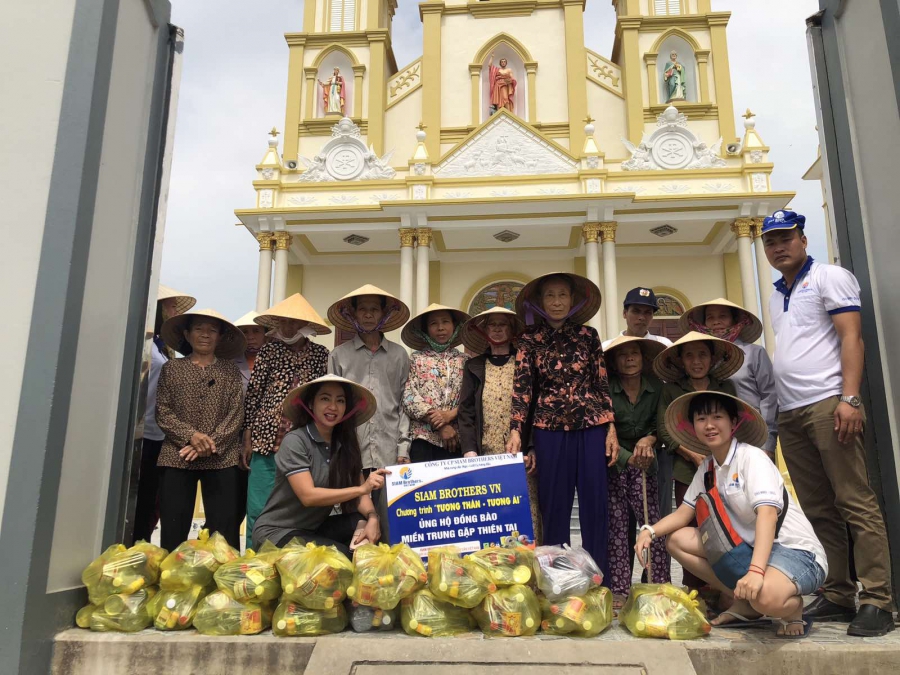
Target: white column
column 423, row 238
column 764, row 274
column 610, row 285
column 407, row 243
column 264, row 282
column 741, row 229
column 591, row 234
column 282, row 244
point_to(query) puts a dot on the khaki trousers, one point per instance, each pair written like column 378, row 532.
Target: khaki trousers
column 832, row 485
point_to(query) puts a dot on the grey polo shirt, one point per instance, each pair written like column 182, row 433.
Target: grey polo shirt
column 755, row 384
column 384, row 372
column 301, row 450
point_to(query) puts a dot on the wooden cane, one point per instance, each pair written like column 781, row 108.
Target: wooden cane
column 647, row 522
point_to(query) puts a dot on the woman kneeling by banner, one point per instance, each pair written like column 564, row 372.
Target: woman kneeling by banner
column 752, row 539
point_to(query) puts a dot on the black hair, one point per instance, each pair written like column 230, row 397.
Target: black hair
column 184, row 348
column 708, row 403
column 345, row 466
column 709, row 345
column 159, row 321
column 380, row 297
column 735, row 314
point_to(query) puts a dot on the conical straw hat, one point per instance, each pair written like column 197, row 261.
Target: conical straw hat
column 650, row 349
column 232, row 342
column 249, row 319
column 183, row 302
column 294, row 307
column 413, row 340
column 727, row 358
column 752, row 429
column 585, row 291
column 399, row 316
column 293, row 411
column 749, row 334
column 475, row 341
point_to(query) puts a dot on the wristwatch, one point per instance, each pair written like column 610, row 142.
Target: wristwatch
column 650, row 530
column 852, row 400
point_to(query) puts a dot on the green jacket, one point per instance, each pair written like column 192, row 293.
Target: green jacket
column 635, row 420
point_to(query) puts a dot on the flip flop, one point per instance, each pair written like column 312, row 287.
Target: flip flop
column 807, row 625
column 744, row 622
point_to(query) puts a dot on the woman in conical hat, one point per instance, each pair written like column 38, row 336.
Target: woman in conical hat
column 561, row 388
column 255, row 335
column 169, row 303
column 696, row 362
column 485, row 404
column 755, row 381
column 288, row 360
column 431, row 396
column 773, row 557
column 318, row 468
column 200, row 408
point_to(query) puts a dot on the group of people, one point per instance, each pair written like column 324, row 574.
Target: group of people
column 277, row 429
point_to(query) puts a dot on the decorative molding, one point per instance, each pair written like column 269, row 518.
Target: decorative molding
column 604, row 72
column 346, row 158
column 297, row 200
column 553, row 191
column 636, row 189
column 266, row 241
column 321, row 126
column 506, row 8
column 457, row 194
column 591, row 232
column 742, row 227
column 756, row 156
column 720, row 187
column 504, row 146
column 760, row 182
column 419, row 169
column 675, row 188
column 593, row 185
column 756, row 226
column 423, row 235
column 404, row 82
column 407, row 238
column 593, row 162
column 608, row 231
column 344, row 199
column 692, row 110
column 267, row 173
column 266, row 199
column 380, row 197
column 282, row 241
column 672, row 146
column 504, row 192
column 420, row 192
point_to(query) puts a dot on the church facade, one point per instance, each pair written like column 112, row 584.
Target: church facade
column 510, row 149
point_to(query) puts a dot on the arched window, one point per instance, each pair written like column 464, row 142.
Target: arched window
column 331, row 60
column 514, row 62
column 685, row 56
column 669, row 306
column 342, row 15
column 496, row 294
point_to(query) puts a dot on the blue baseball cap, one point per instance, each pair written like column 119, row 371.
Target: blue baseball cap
column 783, row 220
column 641, row 296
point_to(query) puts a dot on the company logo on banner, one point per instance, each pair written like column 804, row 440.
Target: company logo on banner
column 470, row 503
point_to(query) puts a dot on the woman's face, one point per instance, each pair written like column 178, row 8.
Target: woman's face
column 629, row 360
column 556, row 299
column 203, row 336
column 697, row 360
column 718, row 318
column 289, row 327
column 498, row 329
column 440, row 326
column 369, row 311
column 714, row 428
column 329, row 404
column 256, row 337
column 169, row 308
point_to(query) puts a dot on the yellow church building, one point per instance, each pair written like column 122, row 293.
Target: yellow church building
column 509, row 149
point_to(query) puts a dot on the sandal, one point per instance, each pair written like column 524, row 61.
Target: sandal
column 744, row 622
column 807, row 625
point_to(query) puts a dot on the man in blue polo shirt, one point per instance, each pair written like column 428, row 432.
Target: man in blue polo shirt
column 818, row 372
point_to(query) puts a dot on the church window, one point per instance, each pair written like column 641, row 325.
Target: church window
column 343, row 15
column 667, row 7
column 497, row 294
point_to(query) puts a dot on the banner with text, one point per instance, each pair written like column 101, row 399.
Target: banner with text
column 468, row 502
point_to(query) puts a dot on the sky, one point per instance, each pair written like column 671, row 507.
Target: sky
column 234, row 83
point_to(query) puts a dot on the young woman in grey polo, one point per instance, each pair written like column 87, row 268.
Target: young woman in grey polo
column 320, row 494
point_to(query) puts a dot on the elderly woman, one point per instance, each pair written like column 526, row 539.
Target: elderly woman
column 431, row 397
column 169, row 303
column 320, row 492
column 635, row 395
column 255, row 335
column 755, row 381
column 200, row 408
column 485, row 403
column 561, row 383
column 288, row 360
column 696, row 362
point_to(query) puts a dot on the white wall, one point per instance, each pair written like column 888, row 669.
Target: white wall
column 33, row 78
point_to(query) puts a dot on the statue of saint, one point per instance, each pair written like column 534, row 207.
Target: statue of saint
column 503, row 86
column 333, row 93
column 674, row 79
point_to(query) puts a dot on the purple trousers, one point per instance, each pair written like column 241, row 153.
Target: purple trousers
column 626, row 494
column 567, row 460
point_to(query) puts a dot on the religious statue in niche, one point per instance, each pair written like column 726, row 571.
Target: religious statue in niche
column 673, row 76
column 334, row 93
column 503, row 86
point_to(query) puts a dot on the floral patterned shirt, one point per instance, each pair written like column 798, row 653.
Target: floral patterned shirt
column 563, row 374
column 277, row 370
column 434, row 383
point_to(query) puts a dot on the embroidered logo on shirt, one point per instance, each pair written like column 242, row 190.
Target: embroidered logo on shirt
column 735, row 482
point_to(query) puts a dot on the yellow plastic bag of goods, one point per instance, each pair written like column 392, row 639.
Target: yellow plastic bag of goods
column 121, row 613
column 456, row 580
column 93, row 573
column 385, row 575
column 123, row 571
column 578, row 616
column 249, row 578
column 365, row 619
column 83, row 617
column 423, row 614
column 512, row 611
column 663, row 611
column 292, row 619
column 175, row 610
column 195, row 561
column 507, row 566
column 565, row 571
column 220, row 614
column 316, row 577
